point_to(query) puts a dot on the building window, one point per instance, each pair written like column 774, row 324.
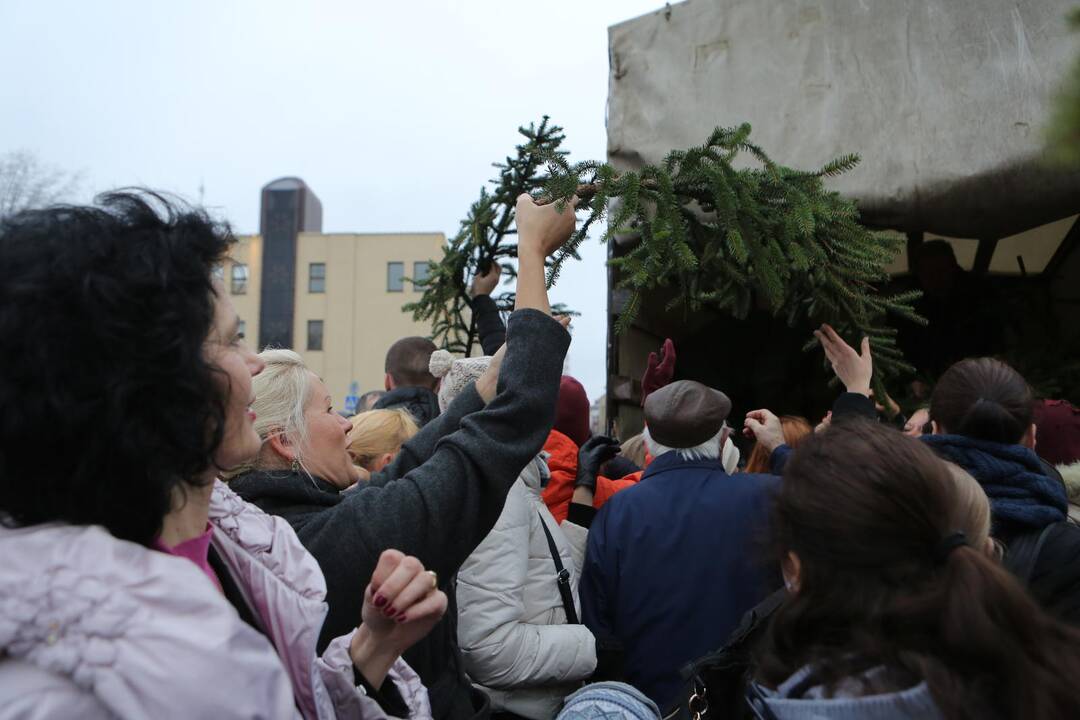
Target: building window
column 314, row 334
column 317, row 278
column 395, row 277
column 239, row 279
column 419, row 273
column 241, row 328
column 219, row 272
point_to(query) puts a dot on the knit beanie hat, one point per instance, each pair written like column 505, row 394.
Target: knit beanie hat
column 455, row 374
column 609, row 700
column 572, row 412
column 1057, row 439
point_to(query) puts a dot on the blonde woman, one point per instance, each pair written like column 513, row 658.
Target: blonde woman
column 437, row 503
column 377, row 437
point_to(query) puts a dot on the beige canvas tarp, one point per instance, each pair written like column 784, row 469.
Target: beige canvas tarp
column 945, row 100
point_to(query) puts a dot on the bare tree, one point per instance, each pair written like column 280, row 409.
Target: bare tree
column 27, row 182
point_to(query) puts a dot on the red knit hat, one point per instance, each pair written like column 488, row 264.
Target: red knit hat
column 1058, row 438
column 572, row 413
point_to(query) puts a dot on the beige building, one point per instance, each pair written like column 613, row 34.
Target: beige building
column 339, row 304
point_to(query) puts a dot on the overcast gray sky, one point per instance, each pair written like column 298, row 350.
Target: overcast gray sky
column 392, row 112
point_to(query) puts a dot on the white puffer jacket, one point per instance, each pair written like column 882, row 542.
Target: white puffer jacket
column 511, row 622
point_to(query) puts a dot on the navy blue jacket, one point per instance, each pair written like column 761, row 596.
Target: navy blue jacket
column 673, row 563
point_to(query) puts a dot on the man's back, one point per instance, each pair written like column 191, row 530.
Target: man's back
column 672, row 565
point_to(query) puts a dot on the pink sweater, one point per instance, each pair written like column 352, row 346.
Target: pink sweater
column 197, row 550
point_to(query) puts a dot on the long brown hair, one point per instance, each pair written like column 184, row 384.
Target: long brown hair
column 795, row 429
column 865, row 509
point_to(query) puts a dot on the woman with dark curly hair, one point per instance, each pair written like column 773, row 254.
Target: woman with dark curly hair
column 898, row 606
column 134, row 583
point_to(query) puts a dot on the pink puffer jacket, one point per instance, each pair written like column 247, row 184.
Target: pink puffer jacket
column 94, row 627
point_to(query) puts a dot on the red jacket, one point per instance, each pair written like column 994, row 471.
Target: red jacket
column 563, row 465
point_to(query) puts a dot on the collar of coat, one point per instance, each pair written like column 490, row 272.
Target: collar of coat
column 285, row 486
column 672, row 461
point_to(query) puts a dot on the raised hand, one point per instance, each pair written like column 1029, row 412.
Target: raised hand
column 659, row 370
column 401, row 605
column 764, row 426
column 542, row 229
column 596, row 451
column 485, row 283
column 855, row 370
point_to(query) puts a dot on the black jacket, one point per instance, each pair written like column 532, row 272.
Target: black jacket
column 1055, row 576
column 421, row 403
column 437, row 501
column 489, row 325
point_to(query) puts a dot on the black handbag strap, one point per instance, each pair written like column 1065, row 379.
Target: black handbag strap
column 562, row 576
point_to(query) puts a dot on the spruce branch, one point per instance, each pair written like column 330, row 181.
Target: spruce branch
column 486, row 235
column 723, row 237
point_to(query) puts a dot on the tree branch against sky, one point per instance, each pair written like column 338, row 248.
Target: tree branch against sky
column 391, row 126
column 28, row 182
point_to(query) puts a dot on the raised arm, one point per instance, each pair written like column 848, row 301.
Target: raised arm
column 442, row 509
column 489, row 324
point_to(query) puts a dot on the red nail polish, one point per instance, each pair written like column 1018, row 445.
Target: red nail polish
column 379, row 601
column 402, row 618
column 390, row 612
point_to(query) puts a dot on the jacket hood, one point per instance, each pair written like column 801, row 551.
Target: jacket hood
column 1020, row 490
column 422, row 404
column 562, row 453
column 791, row 702
column 536, row 474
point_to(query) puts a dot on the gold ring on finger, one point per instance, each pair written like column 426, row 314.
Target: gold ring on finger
column 434, row 579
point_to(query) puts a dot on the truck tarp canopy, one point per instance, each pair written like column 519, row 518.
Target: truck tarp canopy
column 945, row 100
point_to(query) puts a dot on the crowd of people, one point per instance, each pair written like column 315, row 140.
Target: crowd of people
column 190, row 528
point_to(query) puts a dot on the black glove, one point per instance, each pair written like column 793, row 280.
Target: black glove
column 596, row 451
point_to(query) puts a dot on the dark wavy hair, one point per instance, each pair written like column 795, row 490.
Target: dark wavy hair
column 866, row 509
column 985, row 399
column 106, row 400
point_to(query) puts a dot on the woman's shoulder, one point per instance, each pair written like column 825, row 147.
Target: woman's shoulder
column 116, row 619
column 269, row 539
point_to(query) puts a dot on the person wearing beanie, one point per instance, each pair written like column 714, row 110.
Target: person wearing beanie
column 575, row 457
column 517, row 628
column 609, row 700
column 1057, row 424
column 673, row 562
column 454, row 375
